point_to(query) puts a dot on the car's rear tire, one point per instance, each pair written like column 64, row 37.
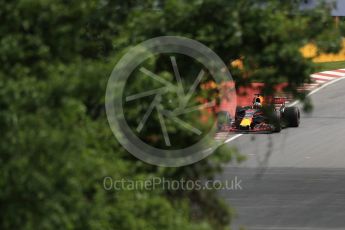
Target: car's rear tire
column 292, row 116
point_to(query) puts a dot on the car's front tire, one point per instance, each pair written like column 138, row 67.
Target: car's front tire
column 292, row 116
column 277, row 122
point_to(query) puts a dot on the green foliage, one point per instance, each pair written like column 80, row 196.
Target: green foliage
column 325, row 66
column 56, row 145
column 266, row 35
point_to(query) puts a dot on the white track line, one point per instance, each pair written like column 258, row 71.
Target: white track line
column 325, row 85
column 318, row 89
column 233, row 138
column 294, row 103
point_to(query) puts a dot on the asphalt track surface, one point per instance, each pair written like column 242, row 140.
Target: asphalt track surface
column 294, row 179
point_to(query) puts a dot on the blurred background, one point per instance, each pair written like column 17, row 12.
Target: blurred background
column 56, row 146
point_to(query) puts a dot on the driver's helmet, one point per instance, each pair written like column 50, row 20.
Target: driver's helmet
column 257, row 102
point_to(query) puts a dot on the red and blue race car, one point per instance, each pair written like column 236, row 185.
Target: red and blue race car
column 261, row 116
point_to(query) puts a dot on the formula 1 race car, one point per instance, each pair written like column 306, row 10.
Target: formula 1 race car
column 262, row 117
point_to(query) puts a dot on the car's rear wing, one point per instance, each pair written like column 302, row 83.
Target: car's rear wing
column 279, row 100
